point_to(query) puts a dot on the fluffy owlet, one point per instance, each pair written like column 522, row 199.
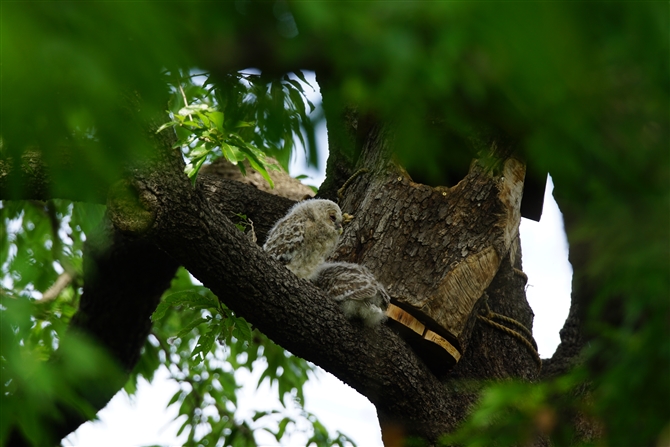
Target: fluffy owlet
column 355, row 288
column 306, row 236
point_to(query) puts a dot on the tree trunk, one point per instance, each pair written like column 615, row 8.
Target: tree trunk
column 444, row 255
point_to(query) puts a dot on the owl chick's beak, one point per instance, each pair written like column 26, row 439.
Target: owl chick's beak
column 338, row 227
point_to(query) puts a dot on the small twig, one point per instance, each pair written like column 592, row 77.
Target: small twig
column 183, row 95
column 56, row 288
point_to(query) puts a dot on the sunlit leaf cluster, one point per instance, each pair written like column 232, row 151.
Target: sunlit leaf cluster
column 252, row 117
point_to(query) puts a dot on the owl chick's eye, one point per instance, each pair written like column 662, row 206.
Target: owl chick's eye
column 333, row 218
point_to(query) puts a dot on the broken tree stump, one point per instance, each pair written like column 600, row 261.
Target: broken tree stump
column 435, row 249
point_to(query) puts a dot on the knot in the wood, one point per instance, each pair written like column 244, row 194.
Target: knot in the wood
column 132, row 211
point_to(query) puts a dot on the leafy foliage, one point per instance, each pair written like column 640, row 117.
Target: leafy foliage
column 195, row 336
column 39, row 243
column 231, row 122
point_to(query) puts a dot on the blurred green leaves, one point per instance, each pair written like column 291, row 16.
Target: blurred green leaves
column 43, row 241
column 72, row 74
column 512, row 413
column 197, row 339
column 36, row 390
column 65, row 78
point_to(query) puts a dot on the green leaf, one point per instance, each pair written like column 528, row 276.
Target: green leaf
column 190, row 297
column 243, row 169
column 301, row 76
column 190, row 326
column 261, row 414
column 228, row 153
column 198, row 152
column 166, row 125
column 183, row 134
column 311, row 105
column 175, row 397
column 296, row 84
column 193, row 172
column 205, row 119
column 189, row 169
column 298, row 102
column 242, row 329
column 194, row 109
column 205, row 343
column 217, row 119
column 131, row 386
column 257, row 164
column 183, row 427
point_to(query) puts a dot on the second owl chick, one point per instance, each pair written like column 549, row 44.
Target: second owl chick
column 355, row 287
column 306, row 236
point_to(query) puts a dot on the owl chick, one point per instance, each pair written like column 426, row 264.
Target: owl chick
column 306, row 236
column 355, row 287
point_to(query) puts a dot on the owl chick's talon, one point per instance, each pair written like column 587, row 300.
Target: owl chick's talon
column 346, row 218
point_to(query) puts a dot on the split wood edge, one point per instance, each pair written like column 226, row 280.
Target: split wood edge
column 406, row 319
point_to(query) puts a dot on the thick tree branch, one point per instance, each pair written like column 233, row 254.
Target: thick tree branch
column 231, row 197
column 295, row 314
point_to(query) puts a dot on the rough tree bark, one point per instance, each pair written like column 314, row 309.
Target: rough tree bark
column 418, row 239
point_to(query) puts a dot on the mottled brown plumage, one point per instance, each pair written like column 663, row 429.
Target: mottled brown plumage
column 306, row 236
column 352, row 285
